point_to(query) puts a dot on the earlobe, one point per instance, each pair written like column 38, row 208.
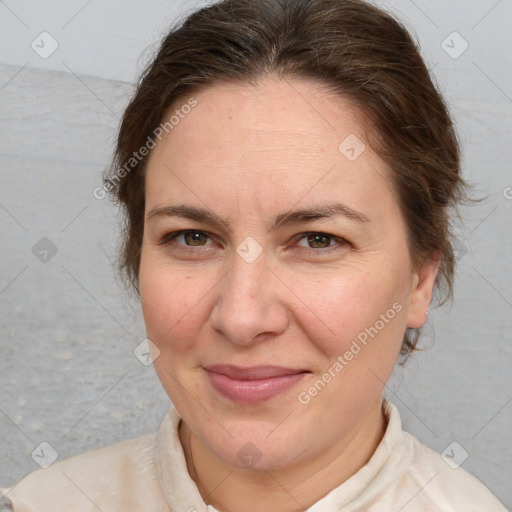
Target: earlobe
column 421, row 294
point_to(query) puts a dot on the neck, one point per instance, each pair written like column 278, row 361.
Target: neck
column 289, row 489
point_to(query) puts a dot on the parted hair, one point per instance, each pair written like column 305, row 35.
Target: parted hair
column 361, row 53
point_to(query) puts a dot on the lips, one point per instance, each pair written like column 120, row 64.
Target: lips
column 252, row 384
column 252, row 372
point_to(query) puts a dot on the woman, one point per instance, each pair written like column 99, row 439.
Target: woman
column 287, row 168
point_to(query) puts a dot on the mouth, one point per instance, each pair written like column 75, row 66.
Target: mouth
column 251, row 385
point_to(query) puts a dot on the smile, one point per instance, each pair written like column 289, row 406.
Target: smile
column 252, row 385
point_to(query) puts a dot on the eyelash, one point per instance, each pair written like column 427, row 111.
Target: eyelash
column 171, row 237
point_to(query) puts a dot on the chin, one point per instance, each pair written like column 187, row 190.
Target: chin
column 257, row 457
column 258, row 448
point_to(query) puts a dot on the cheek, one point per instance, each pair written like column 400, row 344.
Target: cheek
column 173, row 304
column 359, row 331
column 345, row 308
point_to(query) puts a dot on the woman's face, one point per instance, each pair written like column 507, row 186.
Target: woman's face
column 292, row 254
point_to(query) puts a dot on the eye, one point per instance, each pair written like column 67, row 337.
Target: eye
column 187, row 238
column 318, row 241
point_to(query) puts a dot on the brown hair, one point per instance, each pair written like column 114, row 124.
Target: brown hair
column 360, row 52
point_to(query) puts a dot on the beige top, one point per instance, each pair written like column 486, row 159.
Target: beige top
column 149, row 474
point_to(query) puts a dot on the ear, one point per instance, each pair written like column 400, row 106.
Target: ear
column 421, row 292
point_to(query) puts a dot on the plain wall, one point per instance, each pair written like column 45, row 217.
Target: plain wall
column 68, row 375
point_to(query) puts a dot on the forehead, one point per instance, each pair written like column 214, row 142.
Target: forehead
column 274, row 141
column 272, row 115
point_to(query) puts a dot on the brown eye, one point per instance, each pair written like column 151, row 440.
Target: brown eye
column 187, row 239
column 319, row 243
column 195, row 238
column 319, row 240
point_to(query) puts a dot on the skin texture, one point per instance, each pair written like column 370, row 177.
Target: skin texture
column 248, row 153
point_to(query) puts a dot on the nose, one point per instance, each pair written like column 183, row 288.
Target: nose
column 249, row 308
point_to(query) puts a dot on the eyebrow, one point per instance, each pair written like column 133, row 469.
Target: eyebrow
column 292, row 217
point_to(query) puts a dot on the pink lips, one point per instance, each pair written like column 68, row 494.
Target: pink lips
column 253, row 384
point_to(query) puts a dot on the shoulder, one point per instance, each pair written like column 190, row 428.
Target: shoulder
column 118, row 477
column 415, row 478
column 441, row 483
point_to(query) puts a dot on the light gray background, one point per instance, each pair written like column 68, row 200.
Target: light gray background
column 68, row 375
